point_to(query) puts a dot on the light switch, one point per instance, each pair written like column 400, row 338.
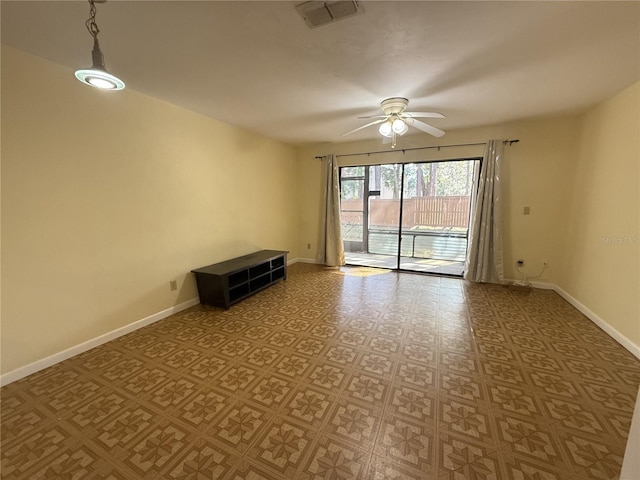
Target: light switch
column 526, row 210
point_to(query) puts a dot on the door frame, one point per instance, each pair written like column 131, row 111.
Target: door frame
column 369, row 193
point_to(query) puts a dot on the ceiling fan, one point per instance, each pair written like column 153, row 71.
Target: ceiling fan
column 396, row 121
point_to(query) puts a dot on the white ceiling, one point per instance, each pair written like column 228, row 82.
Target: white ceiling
column 257, row 65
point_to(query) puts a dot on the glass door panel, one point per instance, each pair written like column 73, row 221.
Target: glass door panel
column 352, row 209
column 435, row 216
column 385, row 183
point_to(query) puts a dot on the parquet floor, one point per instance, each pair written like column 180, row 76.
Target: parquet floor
column 352, row 374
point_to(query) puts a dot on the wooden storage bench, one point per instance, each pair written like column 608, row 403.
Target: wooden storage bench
column 225, row 283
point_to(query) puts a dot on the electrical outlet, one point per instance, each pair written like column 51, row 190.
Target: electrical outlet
column 173, row 284
column 520, row 263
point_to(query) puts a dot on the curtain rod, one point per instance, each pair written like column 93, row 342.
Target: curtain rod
column 505, row 142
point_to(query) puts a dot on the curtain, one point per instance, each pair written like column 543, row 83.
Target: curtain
column 484, row 262
column 330, row 248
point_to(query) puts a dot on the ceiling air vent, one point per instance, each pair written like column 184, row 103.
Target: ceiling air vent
column 316, row 13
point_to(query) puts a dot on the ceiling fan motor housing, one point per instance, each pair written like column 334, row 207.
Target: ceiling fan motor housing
column 394, row 105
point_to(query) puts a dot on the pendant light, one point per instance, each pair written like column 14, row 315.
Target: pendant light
column 97, row 75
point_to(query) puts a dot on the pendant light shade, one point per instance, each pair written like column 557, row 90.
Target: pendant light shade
column 97, row 75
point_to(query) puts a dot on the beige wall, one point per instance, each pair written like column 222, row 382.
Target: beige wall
column 580, row 176
column 107, row 196
column 536, row 173
column 602, row 248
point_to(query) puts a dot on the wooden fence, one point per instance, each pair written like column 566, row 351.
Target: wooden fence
column 435, row 212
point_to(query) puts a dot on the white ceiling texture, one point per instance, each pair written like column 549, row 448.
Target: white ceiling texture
column 258, row 65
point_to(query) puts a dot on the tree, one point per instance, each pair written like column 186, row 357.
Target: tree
column 454, row 178
column 432, row 179
column 391, row 177
column 351, row 183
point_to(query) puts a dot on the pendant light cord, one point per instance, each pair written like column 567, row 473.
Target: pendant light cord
column 91, row 24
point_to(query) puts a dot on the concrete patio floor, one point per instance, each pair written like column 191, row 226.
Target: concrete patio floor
column 424, row 265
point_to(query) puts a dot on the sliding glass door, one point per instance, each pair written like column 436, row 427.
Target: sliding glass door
column 435, row 216
column 352, row 209
column 407, row 216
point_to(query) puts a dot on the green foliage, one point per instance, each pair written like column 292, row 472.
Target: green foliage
column 447, row 178
column 351, row 183
column 454, row 178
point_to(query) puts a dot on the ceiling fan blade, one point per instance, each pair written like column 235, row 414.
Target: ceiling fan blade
column 436, row 132
column 423, row 114
column 375, row 122
column 375, row 116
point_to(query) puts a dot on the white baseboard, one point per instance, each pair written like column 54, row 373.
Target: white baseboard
column 612, row 332
column 544, row 285
column 38, row 365
column 51, row 360
column 541, row 285
column 615, row 334
column 302, row 260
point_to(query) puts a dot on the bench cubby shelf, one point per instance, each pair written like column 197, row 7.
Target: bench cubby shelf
column 225, row 283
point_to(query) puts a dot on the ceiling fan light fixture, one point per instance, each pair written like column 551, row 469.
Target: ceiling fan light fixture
column 396, row 121
column 97, row 75
column 399, row 126
column 386, row 129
